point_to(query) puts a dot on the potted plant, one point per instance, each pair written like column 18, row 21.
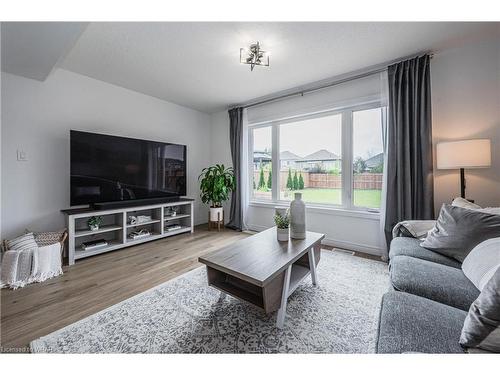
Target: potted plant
column 94, row 222
column 216, row 182
column 282, row 221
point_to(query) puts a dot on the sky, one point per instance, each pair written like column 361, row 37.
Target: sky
column 308, row 136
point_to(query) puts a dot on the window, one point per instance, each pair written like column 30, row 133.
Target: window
column 368, row 157
column 333, row 159
column 261, row 171
column 310, row 159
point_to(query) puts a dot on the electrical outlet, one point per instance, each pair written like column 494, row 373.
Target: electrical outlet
column 21, row 155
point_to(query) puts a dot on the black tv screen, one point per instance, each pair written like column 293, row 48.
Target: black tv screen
column 107, row 168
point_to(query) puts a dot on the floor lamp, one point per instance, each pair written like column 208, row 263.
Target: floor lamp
column 468, row 153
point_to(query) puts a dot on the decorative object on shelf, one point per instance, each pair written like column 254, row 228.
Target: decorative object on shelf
column 282, row 221
column 216, row 182
column 254, row 56
column 94, row 222
column 171, row 211
column 141, row 233
column 140, row 219
column 172, row 227
column 467, row 153
column 298, row 218
column 91, row 245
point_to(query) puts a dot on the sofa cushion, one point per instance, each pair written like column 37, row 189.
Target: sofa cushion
column 458, row 230
column 435, row 281
column 482, row 324
column 410, row 323
column 411, row 247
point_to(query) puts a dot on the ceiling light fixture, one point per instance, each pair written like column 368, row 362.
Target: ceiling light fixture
column 254, row 56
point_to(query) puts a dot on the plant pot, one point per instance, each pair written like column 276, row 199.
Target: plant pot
column 216, row 213
column 282, row 234
column 94, row 227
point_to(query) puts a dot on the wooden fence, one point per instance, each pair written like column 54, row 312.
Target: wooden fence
column 368, row 181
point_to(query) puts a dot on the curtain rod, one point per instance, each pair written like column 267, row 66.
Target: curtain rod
column 325, row 86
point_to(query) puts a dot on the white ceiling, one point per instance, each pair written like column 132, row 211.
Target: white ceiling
column 33, row 49
column 197, row 64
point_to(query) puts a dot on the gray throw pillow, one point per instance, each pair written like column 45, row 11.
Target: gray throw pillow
column 459, row 230
column 481, row 328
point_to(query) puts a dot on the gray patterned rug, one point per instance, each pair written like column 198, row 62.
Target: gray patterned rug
column 184, row 315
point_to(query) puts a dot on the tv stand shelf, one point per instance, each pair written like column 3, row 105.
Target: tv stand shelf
column 115, row 229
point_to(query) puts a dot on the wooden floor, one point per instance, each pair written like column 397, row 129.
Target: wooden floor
column 98, row 282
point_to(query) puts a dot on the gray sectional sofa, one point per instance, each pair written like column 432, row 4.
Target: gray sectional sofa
column 426, row 310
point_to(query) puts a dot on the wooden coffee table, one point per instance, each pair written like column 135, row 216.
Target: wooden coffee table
column 263, row 271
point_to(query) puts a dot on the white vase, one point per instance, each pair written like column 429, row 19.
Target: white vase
column 216, row 213
column 94, row 227
column 298, row 218
column 282, row 234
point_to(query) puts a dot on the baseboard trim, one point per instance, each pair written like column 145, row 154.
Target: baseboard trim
column 353, row 246
column 348, row 245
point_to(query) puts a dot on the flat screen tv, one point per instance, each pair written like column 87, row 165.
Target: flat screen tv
column 107, row 168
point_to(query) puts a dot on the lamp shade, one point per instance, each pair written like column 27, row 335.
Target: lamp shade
column 469, row 153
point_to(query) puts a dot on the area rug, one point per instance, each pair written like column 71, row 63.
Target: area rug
column 184, row 315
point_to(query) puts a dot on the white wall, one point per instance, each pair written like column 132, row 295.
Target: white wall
column 37, row 117
column 220, row 147
column 466, row 104
column 345, row 94
column 1, row 76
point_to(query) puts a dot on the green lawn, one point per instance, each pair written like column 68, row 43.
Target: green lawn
column 362, row 198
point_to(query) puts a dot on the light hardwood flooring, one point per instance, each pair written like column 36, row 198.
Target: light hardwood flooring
column 98, row 282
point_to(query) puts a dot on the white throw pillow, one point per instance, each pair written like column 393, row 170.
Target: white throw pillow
column 482, row 262
column 464, row 203
column 491, row 210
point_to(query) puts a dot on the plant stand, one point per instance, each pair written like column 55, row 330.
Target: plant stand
column 216, row 224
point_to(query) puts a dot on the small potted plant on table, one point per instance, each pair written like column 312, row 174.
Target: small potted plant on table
column 282, row 221
column 94, row 222
column 216, row 182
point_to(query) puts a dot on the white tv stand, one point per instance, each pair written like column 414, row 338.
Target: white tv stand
column 116, row 228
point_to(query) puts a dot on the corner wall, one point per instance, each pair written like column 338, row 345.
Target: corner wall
column 220, row 146
column 37, row 117
column 466, row 104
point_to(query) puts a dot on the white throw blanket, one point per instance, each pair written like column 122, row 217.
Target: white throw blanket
column 413, row 228
column 27, row 266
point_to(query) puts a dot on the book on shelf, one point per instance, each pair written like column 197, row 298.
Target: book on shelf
column 96, row 244
column 172, row 227
column 140, row 219
column 137, row 234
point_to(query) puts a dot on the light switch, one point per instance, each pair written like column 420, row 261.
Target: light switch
column 21, row 155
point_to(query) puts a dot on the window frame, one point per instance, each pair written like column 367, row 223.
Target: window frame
column 347, row 193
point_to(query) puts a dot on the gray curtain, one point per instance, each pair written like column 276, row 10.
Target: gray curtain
column 236, row 141
column 410, row 192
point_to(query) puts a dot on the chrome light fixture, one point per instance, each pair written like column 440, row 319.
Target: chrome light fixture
column 254, row 56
